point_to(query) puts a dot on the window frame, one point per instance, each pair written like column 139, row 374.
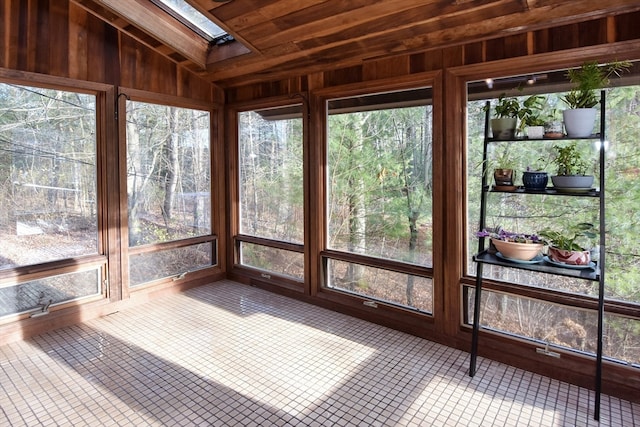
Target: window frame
column 432, row 80
column 235, row 236
column 216, row 189
column 99, row 261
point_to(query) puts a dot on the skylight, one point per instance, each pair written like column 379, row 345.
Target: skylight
column 192, row 18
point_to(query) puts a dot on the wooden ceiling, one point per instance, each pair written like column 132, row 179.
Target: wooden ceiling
column 284, row 38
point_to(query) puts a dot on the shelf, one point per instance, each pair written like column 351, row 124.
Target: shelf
column 563, row 138
column 543, row 267
column 549, row 190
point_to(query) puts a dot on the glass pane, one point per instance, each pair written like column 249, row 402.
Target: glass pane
column 623, row 193
column 379, row 178
column 47, row 175
column 563, row 326
column 271, row 182
column 622, row 339
column 193, row 16
column 271, row 259
column 33, row 295
column 149, row 266
column 383, row 285
column 168, row 173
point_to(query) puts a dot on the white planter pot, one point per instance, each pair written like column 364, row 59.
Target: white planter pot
column 504, row 128
column 572, row 181
column 579, row 122
column 535, row 132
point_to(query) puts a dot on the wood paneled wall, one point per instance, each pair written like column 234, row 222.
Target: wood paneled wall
column 59, row 38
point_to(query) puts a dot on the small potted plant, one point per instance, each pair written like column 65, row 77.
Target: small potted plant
column 571, row 169
column 553, row 127
column 503, row 170
column 564, row 247
column 514, row 246
column 531, row 120
column 504, row 124
column 586, row 80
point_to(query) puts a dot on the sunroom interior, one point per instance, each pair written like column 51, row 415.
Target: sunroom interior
column 333, row 153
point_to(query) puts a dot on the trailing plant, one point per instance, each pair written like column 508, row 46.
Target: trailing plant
column 588, row 79
column 569, row 160
column 567, row 239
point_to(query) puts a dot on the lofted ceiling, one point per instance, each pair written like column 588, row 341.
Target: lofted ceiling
column 283, row 38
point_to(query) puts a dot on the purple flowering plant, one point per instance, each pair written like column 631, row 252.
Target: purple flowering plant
column 509, row 236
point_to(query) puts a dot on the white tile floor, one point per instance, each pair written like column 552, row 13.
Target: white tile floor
column 227, row 354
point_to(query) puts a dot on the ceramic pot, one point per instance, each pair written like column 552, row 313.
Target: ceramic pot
column 503, row 177
column 518, row 251
column 572, row 181
column 579, row 122
column 553, row 129
column 535, row 180
column 569, row 257
column 504, row 128
column 535, row 132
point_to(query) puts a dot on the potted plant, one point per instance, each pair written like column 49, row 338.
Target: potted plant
column 564, row 247
column 534, row 179
column 580, row 117
column 553, row 127
column 514, row 246
column 503, row 125
column 503, row 170
column 571, row 169
column 531, row 120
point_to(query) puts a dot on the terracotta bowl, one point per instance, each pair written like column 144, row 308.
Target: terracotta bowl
column 569, row 257
column 519, row 251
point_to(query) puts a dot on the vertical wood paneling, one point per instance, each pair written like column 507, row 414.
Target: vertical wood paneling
column 627, row 27
column 592, row 33
column 39, row 47
column 58, row 40
column 78, row 44
column 473, row 53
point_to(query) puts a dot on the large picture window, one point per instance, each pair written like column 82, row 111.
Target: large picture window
column 271, row 189
column 168, row 190
column 380, row 187
column 48, row 182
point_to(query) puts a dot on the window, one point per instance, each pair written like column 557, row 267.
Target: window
column 168, row 190
column 562, row 314
column 379, row 189
column 189, row 15
column 48, row 193
column 271, row 189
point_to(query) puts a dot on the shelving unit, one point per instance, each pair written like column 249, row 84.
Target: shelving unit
column 483, row 256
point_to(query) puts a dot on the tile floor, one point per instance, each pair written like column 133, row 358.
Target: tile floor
column 227, row 354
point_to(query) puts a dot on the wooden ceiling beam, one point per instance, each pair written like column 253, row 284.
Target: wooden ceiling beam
column 153, row 21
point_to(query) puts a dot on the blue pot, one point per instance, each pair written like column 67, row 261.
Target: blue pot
column 535, row 180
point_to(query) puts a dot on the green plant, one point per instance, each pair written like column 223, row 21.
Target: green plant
column 507, row 107
column 569, row 160
column 530, row 113
column 588, row 78
column 567, row 240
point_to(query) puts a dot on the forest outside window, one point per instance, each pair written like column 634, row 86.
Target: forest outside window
column 48, row 193
column 270, row 146
column 563, row 313
column 379, row 189
column 168, row 190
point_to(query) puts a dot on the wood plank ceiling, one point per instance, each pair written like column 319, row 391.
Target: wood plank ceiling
column 284, row 38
